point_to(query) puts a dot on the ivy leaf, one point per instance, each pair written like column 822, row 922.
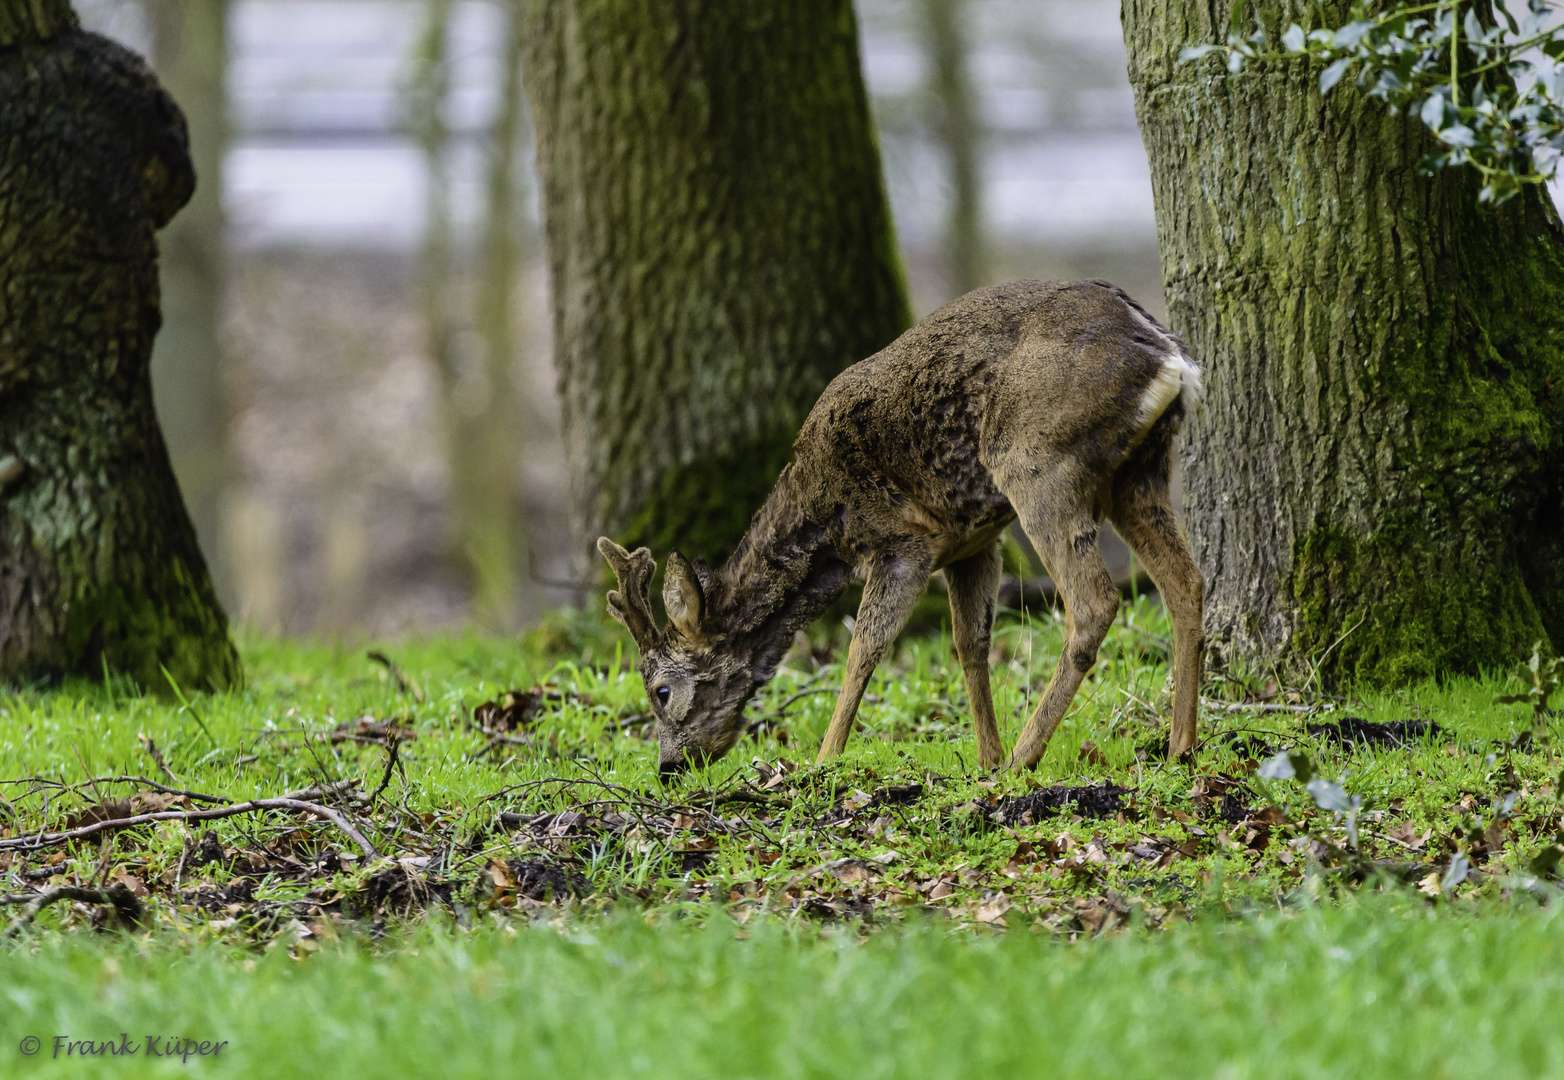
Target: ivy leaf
column 1195, row 52
column 1472, row 28
column 1293, row 40
column 1235, row 20
column 1459, row 865
column 1328, row 795
column 1458, row 135
column 1332, row 75
column 1288, row 765
column 1547, row 861
column 1349, row 35
column 1277, row 768
column 1433, row 111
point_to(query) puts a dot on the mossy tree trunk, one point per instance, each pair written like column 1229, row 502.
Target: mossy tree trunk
column 720, row 247
column 99, row 564
column 1375, row 479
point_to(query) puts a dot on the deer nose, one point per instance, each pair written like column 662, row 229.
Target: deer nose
column 673, row 767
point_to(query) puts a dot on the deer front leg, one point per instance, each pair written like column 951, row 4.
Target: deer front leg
column 890, row 592
column 974, row 588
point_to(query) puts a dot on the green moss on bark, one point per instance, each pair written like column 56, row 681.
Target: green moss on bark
column 133, row 634
column 98, row 561
column 1375, row 477
column 699, row 508
column 1386, row 610
column 720, row 247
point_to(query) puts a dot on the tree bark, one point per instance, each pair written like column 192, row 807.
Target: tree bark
column 99, row 566
column 1374, row 483
column 720, row 247
column 189, row 53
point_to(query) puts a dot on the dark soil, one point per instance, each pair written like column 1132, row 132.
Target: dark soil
column 1365, row 734
column 1100, row 800
column 540, row 879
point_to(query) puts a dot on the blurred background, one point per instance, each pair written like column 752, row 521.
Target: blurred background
column 362, row 161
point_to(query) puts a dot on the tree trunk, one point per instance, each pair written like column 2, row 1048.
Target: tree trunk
column 189, row 53
column 99, row 567
column 1374, row 483
column 957, row 126
column 720, row 247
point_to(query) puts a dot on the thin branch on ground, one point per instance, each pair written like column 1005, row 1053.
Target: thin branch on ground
column 40, row 782
column 118, row 895
column 404, row 682
column 29, row 843
column 157, row 757
column 391, row 763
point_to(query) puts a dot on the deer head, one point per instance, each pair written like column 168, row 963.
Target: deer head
column 697, row 686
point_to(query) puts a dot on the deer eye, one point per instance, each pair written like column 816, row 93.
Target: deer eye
column 663, row 693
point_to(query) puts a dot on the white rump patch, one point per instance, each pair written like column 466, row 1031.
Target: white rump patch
column 1177, row 378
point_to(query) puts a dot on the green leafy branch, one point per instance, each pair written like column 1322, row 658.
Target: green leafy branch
column 1544, row 676
column 1488, row 85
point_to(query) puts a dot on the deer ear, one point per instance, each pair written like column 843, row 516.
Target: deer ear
column 683, row 596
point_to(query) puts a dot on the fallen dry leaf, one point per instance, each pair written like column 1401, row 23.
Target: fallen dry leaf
column 851, row 871
column 1407, row 833
column 129, row 880
column 1092, row 755
column 992, row 909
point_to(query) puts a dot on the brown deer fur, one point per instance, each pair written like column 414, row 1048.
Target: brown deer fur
column 1054, row 402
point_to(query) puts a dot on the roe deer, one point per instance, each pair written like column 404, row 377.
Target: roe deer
column 1054, row 402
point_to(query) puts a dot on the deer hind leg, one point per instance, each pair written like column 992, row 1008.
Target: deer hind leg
column 1143, row 512
column 890, row 592
column 974, row 589
column 1068, row 546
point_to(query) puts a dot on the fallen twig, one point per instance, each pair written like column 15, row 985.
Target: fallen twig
column 1259, row 706
column 162, row 789
column 390, row 767
column 404, row 682
column 499, row 739
column 157, row 756
column 124, row 901
column 46, row 839
column 326, row 791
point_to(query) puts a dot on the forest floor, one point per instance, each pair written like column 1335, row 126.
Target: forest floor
column 484, row 815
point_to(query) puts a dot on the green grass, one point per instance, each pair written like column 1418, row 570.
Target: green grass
column 1370, row 989
column 805, row 930
column 272, row 736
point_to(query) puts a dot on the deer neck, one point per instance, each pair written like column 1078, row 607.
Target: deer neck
column 784, row 573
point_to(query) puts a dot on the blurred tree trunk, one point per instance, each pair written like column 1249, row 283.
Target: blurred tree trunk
column 959, row 129
column 720, row 247
column 189, row 53
column 99, row 566
column 1375, row 479
column 477, row 391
